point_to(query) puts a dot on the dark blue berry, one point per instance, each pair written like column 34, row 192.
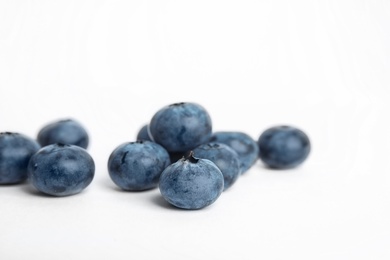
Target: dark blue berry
column 191, row 183
column 15, row 153
column 181, row 127
column 143, row 134
column 61, row 170
column 137, row 165
column 65, row 132
column 283, row 147
column 224, row 157
column 242, row 144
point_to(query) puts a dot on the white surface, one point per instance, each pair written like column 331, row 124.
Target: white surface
column 323, row 66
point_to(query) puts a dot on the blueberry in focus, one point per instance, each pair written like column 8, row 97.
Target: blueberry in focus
column 245, row 147
column 191, row 183
column 283, row 147
column 224, row 157
column 137, row 165
column 15, row 153
column 181, row 127
column 61, row 169
column 66, row 131
column 143, row 134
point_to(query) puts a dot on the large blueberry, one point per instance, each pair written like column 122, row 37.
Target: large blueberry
column 137, row 165
column 224, row 157
column 66, row 131
column 143, row 134
column 181, row 127
column 61, row 169
column 15, row 152
column 283, row 147
column 191, row 183
column 242, row 144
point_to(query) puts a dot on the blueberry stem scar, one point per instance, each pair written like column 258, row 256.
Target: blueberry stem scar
column 177, row 104
column 190, row 157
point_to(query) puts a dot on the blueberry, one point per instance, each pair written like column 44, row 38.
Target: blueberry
column 137, row 165
column 191, row 183
column 242, row 144
column 181, row 127
column 15, row 152
column 283, row 147
column 143, row 134
column 61, row 169
column 224, row 157
column 65, row 132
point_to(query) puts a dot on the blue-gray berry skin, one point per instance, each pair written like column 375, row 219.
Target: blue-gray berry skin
column 137, row 165
column 283, row 147
column 244, row 145
column 224, row 157
column 61, row 169
column 191, row 183
column 181, row 127
column 66, row 131
column 143, row 134
column 15, row 153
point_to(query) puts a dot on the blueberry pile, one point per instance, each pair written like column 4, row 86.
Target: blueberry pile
column 56, row 164
column 177, row 152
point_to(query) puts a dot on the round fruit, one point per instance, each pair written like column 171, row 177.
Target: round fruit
column 242, row 144
column 15, row 152
column 181, row 127
column 191, row 183
column 143, row 134
column 61, row 169
column 65, row 132
column 283, row 147
column 224, row 157
column 137, row 165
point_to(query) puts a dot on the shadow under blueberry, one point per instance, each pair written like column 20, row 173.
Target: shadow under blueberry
column 158, row 200
column 108, row 184
column 13, row 184
column 280, row 170
column 29, row 189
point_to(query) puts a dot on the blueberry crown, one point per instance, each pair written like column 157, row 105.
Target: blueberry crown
column 177, row 104
column 190, row 158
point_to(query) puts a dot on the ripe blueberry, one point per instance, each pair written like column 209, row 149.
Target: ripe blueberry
column 61, row 169
column 143, row 134
column 15, row 152
column 137, row 165
column 191, row 183
column 224, row 157
column 65, row 132
column 283, row 147
column 242, row 144
column 181, row 127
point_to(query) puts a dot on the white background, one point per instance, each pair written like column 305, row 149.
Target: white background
column 323, row 66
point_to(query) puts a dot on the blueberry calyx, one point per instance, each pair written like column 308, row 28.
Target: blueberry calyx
column 177, row 104
column 190, row 158
column 7, row 133
column 62, row 145
column 213, row 145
